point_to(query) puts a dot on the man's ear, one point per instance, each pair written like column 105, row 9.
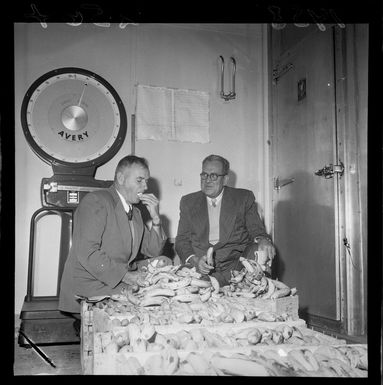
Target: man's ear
column 225, row 180
column 120, row 178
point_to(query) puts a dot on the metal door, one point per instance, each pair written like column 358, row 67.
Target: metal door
column 305, row 208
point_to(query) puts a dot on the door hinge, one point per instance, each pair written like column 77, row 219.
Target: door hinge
column 331, row 169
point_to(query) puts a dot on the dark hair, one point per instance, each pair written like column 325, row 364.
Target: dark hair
column 129, row 160
column 225, row 162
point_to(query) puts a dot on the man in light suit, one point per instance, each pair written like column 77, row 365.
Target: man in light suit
column 108, row 236
column 221, row 217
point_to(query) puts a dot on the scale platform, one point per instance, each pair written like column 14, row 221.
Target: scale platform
column 44, row 324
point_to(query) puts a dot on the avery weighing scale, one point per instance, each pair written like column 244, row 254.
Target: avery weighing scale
column 74, row 120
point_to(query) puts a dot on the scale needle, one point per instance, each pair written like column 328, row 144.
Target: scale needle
column 82, row 94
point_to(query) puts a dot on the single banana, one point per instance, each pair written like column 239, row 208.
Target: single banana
column 238, row 367
column 185, row 298
column 154, row 365
column 170, row 361
column 254, row 337
column 198, row 363
column 280, row 293
column 209, row 256
column 153, row 301
column 270, row 289
column 200, row 282
column 177, row 285
column 309, row 356
column 287, row 332
column 160, row 292
column 148, row 332
column 205, row 296
column 215, row 284
column 248, row 266
column 298, row 355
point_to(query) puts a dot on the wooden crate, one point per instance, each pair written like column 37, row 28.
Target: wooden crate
column 87, row 338
column 112, row 364
column 96, row 321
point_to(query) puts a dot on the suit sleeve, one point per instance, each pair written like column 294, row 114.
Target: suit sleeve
column 91, row 220
column 254, row 224
column 153, row 242
column 183, row 245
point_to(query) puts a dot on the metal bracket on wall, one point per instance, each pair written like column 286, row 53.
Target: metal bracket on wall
column 278, row 72
column 231, row 94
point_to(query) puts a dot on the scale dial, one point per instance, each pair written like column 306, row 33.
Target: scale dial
column 73, row 117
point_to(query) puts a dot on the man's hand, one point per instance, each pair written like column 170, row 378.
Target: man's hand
column 130, row 278
column 152, row 204
column 162, row 261
column 201, row 264
column 265, row 245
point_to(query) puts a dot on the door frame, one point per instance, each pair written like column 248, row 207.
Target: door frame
column 352, row 232
column 351, row 261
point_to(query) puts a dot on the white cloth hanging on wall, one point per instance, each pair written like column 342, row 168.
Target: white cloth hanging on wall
column 172, row 114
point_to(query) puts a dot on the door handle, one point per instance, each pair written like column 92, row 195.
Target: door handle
column 280, row 183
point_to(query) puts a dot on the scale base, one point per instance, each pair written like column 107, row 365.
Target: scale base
column 44, row 324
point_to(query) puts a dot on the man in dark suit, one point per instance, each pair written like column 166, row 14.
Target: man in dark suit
column 221, row 217
column 108, row 236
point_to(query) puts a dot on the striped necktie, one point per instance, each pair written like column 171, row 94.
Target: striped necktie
column 214, row 202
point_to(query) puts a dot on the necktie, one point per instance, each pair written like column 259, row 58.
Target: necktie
column 130, row 214
column 214, row 202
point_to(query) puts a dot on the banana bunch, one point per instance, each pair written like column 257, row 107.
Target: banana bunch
column 251, row 282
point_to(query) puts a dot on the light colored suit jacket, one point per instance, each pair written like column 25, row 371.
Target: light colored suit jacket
column 239, row 224
column 102, row 250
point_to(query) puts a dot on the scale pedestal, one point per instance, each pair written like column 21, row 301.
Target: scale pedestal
column 40, row 318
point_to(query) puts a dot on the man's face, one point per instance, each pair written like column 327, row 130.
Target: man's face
column 133, row 180
column 209, row 187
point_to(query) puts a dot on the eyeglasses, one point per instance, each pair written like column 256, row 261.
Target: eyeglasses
column 213, row 176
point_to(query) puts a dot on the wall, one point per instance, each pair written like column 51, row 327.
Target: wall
column 180, row 56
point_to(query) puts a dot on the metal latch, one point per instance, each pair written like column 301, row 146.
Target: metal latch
column 278, row 71
column 329, row 170
column 280, row 183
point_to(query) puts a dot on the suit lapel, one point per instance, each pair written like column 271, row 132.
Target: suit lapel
column 227, row 216
column 201, row 218
column 138, row 228
column 122, row 220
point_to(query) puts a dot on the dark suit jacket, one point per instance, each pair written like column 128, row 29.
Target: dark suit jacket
column 101, row 251
column 239, row 224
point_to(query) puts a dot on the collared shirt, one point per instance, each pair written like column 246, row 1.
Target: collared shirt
column 126, row 206
column 217, row 199
column 213, row 220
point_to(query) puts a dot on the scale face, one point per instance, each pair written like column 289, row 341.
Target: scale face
column 74, row 118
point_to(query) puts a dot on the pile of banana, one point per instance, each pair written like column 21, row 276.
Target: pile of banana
column 181, row 284
column 171, row 284
column 113, row 312
column 323, row 362
column 251, row 282
column 144, row 338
